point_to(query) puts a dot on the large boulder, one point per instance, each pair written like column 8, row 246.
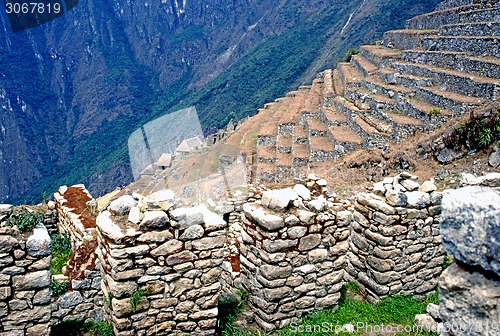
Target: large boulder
column 470, row 226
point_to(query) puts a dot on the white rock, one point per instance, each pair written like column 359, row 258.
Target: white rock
column 302, row 191
column 264, row 219
column 192, row 232
column 39, row 243
column 122, row 205
column 164, row 199
column 135, row 216
column 108, row 227
column 318, row 204
column 428, row 186
column 410, row 185
column 211, row 203
column 212, row 220
column 312, row 177
column 379, row 189
column 51, row 205
column 278, row 199
column 306, row 216
column 322, row 183
column 155, row 219
column 188, row 216
column 418, row 199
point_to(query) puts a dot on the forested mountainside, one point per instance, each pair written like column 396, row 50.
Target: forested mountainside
column 74, row 89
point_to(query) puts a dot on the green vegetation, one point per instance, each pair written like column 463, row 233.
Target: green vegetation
column 58, row 288
column 349, row 54
column 276, row 65
column 229, row 308
column 448, row 261
column 78, row 327
column 394, row 310
column 25, row 220
column 136, row 297
column 478, row 132
column 61, row 253
column 435, row 111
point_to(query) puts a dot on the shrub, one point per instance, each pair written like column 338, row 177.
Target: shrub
column 99, row 329
column 61, row 253
column 59, row 288
column 25, row 220
column 478, row 132
column 435, row 111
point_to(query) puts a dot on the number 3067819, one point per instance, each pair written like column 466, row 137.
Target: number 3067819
column 32, row 8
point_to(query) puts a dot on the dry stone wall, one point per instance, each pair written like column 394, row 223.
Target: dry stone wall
column 160, row 265
column 293, row 253
column 395, row 245
column 25, row 276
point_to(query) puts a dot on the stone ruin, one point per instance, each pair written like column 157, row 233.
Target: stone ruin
column 147, row 267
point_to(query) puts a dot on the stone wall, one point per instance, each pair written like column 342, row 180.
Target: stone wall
column 24, row 280
column 168, row 259
column 293, row 253
column 395, row 245
column 84, row 300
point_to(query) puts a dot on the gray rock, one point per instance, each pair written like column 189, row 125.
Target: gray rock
column 494, row 159
column 122, row 205
column 433, row 311
column 7, row 243
column 70, row 299
column 470, row 226
column 309, row 242
column 275, row 272
column 33, row 280
column 297, row 232
column 278, row 199
column 170, row 247
column 418, row 199
column 469, row 299
column 192, row 232
column 188, row 216
column 375, row 202
column 426, row 322
column 39, row 243
column 154, row 220
column 396, row 198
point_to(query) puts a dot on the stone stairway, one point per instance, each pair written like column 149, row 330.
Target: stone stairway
column 443, row 64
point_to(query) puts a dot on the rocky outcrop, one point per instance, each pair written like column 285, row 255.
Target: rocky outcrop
column 469, row 290
column 470, row 226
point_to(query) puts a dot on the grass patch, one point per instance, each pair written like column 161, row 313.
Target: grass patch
column 478, row 132
column 396, row 310
column 79, row 327
column 229, row 309
column 61, row 253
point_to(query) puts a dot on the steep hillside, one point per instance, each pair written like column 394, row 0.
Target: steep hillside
column 74, row 89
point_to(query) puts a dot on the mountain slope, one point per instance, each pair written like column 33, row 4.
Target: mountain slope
column 73, row 90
